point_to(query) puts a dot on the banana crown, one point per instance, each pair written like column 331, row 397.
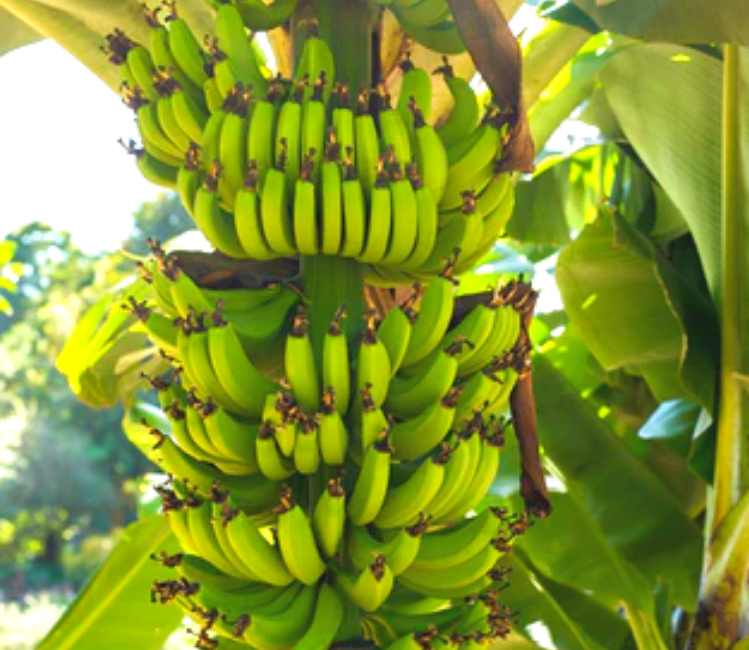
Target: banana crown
column 215, row 125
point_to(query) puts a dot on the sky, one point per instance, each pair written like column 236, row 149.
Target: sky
column 60, row 162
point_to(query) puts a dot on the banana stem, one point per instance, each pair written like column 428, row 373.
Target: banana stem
column 731, row 471
column 328, row 283
column 722, row 618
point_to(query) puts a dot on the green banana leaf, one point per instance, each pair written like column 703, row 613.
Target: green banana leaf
column 80, row 25
column 571, row 86
column 573, row 620
column 104, row 357
column 674, row 422
column 567, row 573
column 630, row 515
column 681, row 21
column 668, row 103
column 546, row 53
column 114, row 609
column 636, row 311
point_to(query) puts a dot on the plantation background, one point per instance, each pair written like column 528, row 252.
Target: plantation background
column 70, row 482
column 626, row 213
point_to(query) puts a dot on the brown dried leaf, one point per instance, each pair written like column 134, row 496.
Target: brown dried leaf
column 496, row 54
column 217, row 271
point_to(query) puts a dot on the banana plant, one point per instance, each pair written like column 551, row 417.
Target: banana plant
column 652, row 286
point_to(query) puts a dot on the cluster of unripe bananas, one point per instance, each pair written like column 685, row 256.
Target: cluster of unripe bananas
column 325, row 491
column 303, row 489
column 271, row 167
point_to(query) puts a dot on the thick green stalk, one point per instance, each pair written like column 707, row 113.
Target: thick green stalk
column 722, row 615
column 328, row 283
column 731, row 463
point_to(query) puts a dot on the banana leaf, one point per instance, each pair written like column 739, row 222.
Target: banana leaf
column 615, row 495
column 682, row 21
column 80, row 25
column 573, row 619
column 667, row 101
column 636, row 311
column 114, row 609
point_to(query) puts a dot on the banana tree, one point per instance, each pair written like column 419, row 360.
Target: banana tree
column 650, row 283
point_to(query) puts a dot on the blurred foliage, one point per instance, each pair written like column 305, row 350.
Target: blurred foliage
column 65, row 474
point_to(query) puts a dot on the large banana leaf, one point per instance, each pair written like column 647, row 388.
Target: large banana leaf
column 569, row 88
column 668, row 103
column 636, row 311
column 681, row 21
column 623, row 501
column 80, row 25
column 546, row 53
column 114, row 609
column 572, row 619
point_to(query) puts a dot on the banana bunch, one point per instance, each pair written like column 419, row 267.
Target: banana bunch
column 271, row 167
column 342, row 486
column 326, row 489
column 429, row 22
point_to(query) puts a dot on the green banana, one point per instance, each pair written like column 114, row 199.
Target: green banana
column 434, row 315
column 331, row 198
column 185, row 48
column 452, row 546
column 301, row 369
column 380, row 218
column 289, row 136
column 233, row 437
column 409, row 396
column 400, row 550
column 313, row 127
column 326, row 621
column 255, row 550
column 372, row 422
column 262, row 17
column 276, row 222
column 431, row 156
column 307, row 446
column 370, row 489
column 393, row 129
column 367, row 143
column 262, row 132
column 247, row 219
column 305, row 208
column 215, row 223
column 316, row 60
column 284, row 629
column 395, row 332
column 235, row 369
column 464, row 115
column 336, row 373
column 333, row 436
column 329, row 517
column 270, row 460
column 404, row 231
column 373, row 363
column 371, row 588
column 354, row 211
column 421, row 434
column 416, row 89
column 232, row 38
column 297, row 542
column 404, row 504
